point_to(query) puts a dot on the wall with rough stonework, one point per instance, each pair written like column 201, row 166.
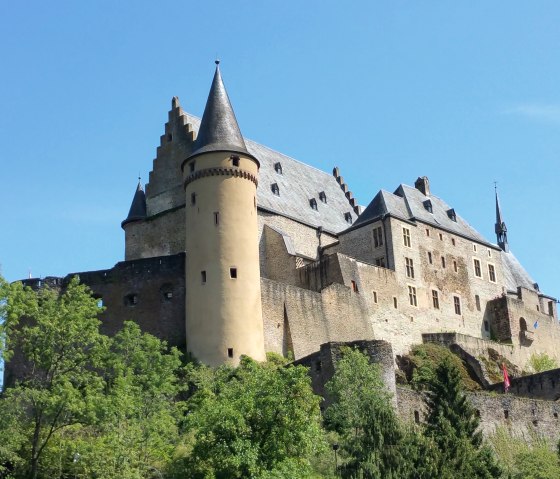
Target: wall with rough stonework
column 545, row 385
column 306, row 319
column 526, row 418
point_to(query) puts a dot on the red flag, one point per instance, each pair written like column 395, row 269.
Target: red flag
column 506, row 378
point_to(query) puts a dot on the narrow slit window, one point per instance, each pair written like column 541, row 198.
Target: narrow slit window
column 395, row 302
column 430, row 260
column 233, row 273
column 216, row 218
column 193, row 199
column 230, row 352
column 477, row 301
column 443, row 261
column 203, row 277
column 455, row 268
column 375, row 297
column 192, row 166
column 354, row 286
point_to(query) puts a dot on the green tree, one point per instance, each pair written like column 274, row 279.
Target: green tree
column 58, row 337
column 362, row 414
column 254, row 421
column 453, row 426
column 542, row 362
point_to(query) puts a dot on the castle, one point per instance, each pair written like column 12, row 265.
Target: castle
column 234, row 249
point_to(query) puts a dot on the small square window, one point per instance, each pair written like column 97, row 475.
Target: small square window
column 278, row 168
column 348, row 217
column 313, row 204
column 203, row 277
column 275, row 189
column 233, row 273
column 234, row 160
column 323, row 196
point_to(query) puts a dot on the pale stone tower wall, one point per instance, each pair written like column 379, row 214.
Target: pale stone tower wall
column 224, row 315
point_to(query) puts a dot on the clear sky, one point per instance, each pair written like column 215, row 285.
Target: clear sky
column 463, row 92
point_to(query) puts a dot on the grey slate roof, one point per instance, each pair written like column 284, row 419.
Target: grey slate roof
column 298, row 184
column 514, row 274
column 408, row 203
column 219, row 130
column 138, row 207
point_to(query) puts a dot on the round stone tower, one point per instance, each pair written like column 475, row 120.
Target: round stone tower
column 223, row 294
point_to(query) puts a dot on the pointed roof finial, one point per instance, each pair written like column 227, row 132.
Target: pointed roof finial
column 138, row 207
column 217, row 61
column 219, row 130
column 175, row 102
column 500, row 226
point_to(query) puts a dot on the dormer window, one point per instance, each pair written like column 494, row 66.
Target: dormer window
column 452, row 215
column 278, row 168
column 348, row 217
column 275, row 189
column 313, row 204
column 323, row 196
column 234, row 160
column 428, row 206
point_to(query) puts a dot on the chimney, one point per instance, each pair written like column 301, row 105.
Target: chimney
column 423, row 184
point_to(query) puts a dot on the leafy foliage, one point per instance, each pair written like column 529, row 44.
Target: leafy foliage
column 542, row 362
column 425, row 359
column 257, row 420
column 362, row 414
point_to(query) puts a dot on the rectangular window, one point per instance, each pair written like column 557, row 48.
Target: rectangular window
column 443, row 261
column 453, row 241
column 477, row 270
column 235, row 160
column 380, row 262
column 375, row 297
column 409, row 267
column 491, row 273
column 412, row 296
column 354, row 286
column 395, row 302
column 216, row 218
column 233, row 273
column 435, row 299
column 430, row 260
column 377, row 237
column 550, row 308
column 406, row 237
column 457, row 304
column 230, row 352
column 477, row 301
column 203, row 277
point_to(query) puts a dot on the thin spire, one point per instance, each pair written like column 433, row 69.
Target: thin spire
column 500, row 226
column 219, row 130
column 138, row 207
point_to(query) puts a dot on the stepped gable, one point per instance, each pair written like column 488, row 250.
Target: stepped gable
column 298, row 183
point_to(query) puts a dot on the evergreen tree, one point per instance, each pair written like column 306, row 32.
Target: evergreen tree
column 453, row 426
column 362, row 414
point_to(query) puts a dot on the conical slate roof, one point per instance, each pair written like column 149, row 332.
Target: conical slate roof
column 138, row 206
column 219, row 130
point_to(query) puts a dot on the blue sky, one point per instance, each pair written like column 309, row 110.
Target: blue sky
column 463, row 92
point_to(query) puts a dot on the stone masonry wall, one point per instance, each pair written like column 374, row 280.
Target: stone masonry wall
column 545, row 385
column 523, row 417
